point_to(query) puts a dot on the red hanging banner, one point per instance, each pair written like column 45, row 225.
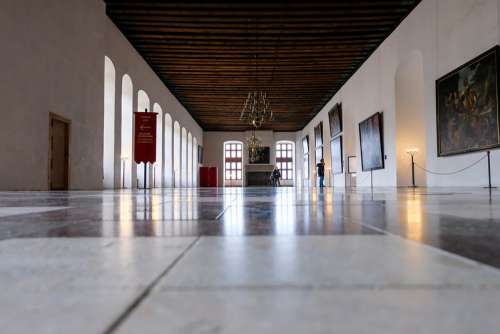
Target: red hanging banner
column 145, row 137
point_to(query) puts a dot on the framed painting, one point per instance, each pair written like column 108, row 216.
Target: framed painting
column 335, row 120
column 467, row 106
column 336, row 155
column 262, row 156
column 371, row 139
column 318, row 134
column 200, row 154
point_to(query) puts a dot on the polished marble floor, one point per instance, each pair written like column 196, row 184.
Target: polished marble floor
column 251, row 260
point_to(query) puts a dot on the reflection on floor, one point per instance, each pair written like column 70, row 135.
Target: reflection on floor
column 250, row 260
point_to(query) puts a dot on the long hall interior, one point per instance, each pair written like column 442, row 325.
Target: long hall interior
column 245, row 167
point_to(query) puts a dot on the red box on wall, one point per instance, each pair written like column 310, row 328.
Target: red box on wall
column 208, row 176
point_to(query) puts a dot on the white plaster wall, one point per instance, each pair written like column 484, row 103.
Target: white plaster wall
column 213, row 146
column 52, row 60
column 447, row 33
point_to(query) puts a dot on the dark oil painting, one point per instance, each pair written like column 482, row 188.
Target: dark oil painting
column 467, row 106
column 336, row 153
column 318, row 134
column 335, row 120
column 371, row 139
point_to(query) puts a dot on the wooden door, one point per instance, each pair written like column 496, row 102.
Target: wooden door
column 59, row 153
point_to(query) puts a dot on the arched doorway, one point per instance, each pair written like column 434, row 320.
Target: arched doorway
column 108, row 152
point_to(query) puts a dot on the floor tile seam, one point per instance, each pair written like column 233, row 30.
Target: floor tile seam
column 360, row 287
column 117, row 239
column 434, row 249
column 147, row 291
column 224, row 210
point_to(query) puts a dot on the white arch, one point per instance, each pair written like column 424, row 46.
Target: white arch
column 292, row 180
column 127, row 127
column 158, row 166
column 184, row 157
column 108, row 152
column 177, row 154
column 190, row 160
column 195, row 162
column 167, row 157
column 142, row 105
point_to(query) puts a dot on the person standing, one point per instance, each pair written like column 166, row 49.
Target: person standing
column 321, row 172
column 275, row 177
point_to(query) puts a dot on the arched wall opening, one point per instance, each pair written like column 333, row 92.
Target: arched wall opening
column 410, row 119
column 183, row 157
column 127, row 160
column 195, row 162
column 158, row 166
column 108, row 152
column 142, row 105
column 285, row 161
column 189, row 160
column 177, row 155
column 167, row 157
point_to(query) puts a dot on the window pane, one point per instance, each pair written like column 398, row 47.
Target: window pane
column 238, row 175
column 228, row 165
column 238, row 165
column 227, row 175
column 238, row 154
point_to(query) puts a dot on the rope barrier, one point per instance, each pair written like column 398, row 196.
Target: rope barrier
column 455, row 172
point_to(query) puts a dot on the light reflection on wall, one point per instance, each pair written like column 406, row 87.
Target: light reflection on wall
column 414, row 224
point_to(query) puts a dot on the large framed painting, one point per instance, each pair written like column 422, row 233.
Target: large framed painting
column 335, row 120
column 200, row 154
column 336, row 154
column 371, row 139
column 262, row 156
column 467, row 106
column 318, row 134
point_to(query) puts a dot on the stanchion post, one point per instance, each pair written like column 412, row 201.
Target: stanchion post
column 371, row 179
column 489, row 171
column 145, row 174
column 413, row 172
column 412, row 152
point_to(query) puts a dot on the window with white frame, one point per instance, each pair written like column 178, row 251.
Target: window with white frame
column 233, row 161
column 284, row 159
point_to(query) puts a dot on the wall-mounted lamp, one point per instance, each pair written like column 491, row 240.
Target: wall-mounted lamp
column 412, row 152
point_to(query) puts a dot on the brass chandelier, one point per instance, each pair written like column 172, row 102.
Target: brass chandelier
column 253, row 144
column 256, row 109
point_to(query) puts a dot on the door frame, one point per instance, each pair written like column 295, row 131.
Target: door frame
column 53, row 116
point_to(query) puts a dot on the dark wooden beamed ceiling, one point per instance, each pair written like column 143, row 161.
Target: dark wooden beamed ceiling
column 206, row 53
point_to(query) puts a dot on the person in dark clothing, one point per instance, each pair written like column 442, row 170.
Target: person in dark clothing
column 275, row 177
column 321, row 172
